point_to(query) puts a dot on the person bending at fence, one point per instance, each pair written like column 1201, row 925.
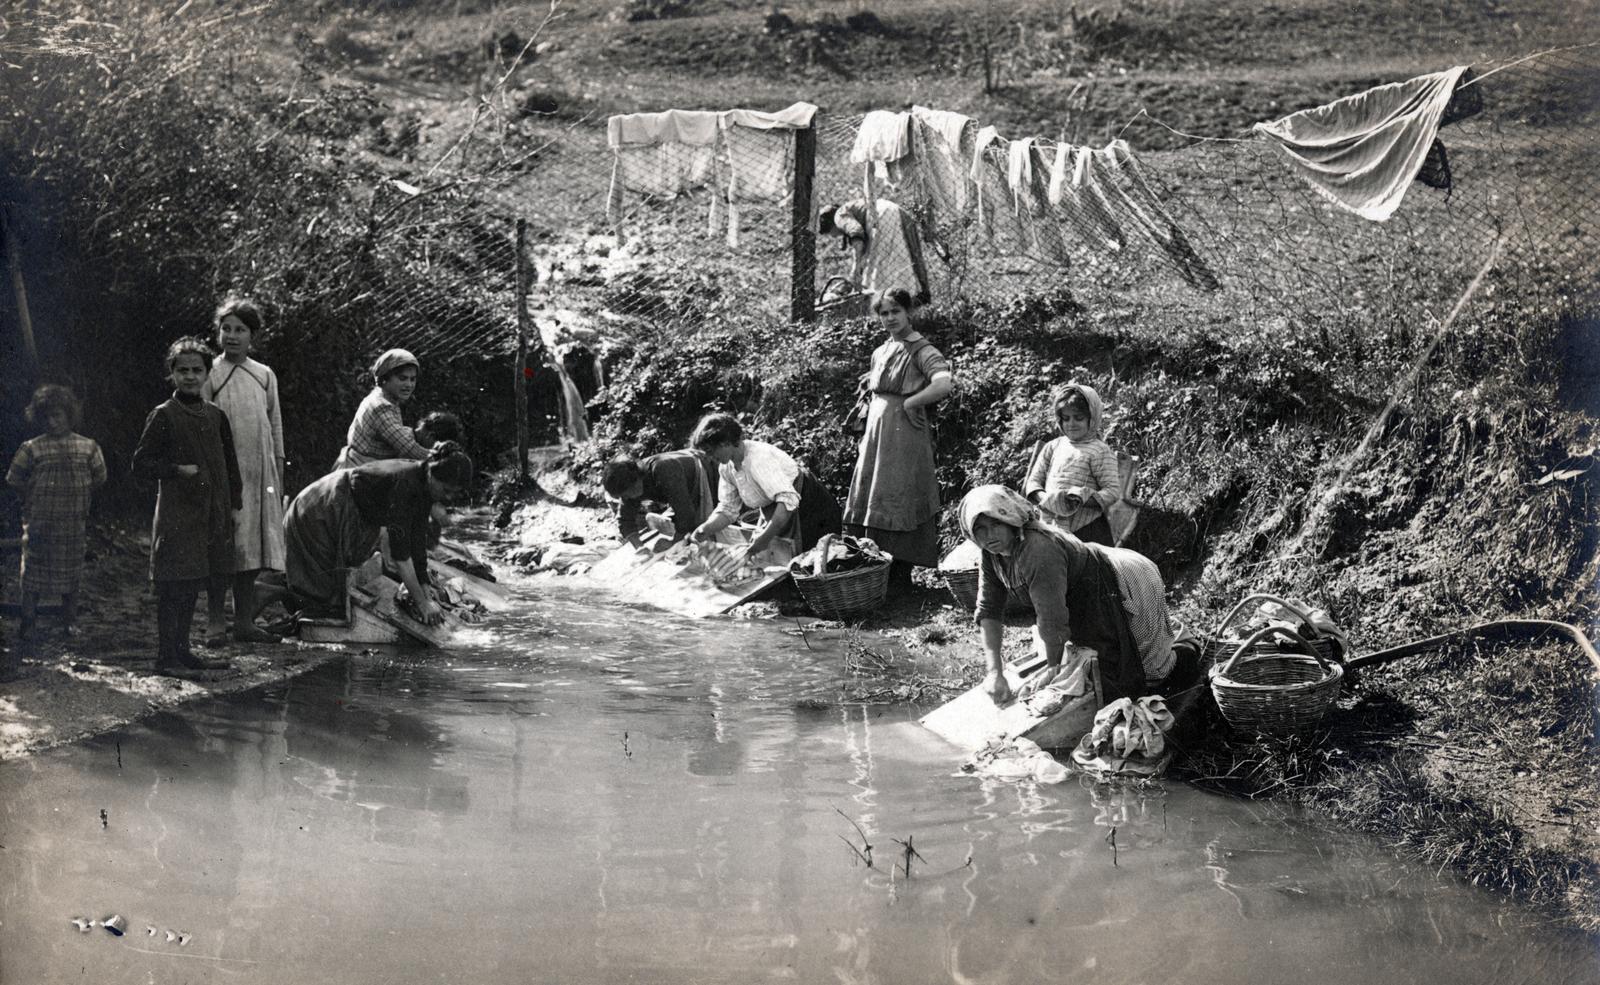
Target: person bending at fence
column 336, row 523
column 755, row 475
column 1107, row 598
column 670, row 493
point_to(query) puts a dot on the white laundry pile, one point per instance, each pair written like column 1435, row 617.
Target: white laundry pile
column 1362, row 152
column 1128, row 739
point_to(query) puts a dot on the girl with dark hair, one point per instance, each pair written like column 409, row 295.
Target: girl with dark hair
column 336, row 523
column 755, row 475
column 187, row 449
column 378, row 432
column 894, row 493
column 247, row 391
column 55, row 475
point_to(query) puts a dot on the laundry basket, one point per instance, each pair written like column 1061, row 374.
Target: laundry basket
column 1276, row 691
column 963, row 585
column 843, row 593
column 1220, row 644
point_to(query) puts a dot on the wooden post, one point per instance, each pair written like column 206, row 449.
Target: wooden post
column 13, row 248
column 802, row 241
column 520, row 383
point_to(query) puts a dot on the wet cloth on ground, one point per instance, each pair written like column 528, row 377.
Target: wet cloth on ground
column 55, row 477
column 894, row 492
column 247, row 392
column 1362, row 152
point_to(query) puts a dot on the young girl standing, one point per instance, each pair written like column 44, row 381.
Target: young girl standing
column 55, row 475
column 247, row 393
column 1074, row 478
column 187, row 447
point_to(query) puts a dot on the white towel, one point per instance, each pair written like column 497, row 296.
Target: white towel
column 660, row 154
column 1019, row 170
column 760, row 150
column 950, row 125
column 697, row 128
column 1362, row 152
column 884, row 136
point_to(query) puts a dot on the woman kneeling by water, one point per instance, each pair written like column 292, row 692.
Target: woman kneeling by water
column 1107, row 598
column 335, row 524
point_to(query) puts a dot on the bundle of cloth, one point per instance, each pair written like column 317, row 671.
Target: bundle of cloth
column 1128, row 739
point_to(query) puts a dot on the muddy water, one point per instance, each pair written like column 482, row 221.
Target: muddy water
column 594, row 795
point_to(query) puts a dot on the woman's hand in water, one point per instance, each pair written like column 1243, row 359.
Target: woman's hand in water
column 997, row 687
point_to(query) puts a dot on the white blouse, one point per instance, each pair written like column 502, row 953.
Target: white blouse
column 766, row 475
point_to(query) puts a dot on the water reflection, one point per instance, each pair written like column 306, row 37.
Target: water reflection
column 596, row 799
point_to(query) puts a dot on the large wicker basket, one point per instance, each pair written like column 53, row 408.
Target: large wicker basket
column 1220, row 644
column 963, row 585
column 844, row 593
column 1279, row 692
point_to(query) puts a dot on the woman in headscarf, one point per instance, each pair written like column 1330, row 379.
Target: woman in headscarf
column 335, row 524
column 1106, row 598
column 1074, row 478
column 894, row 493
column 378, row 432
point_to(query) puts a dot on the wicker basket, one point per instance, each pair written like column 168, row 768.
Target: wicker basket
column 963, row 585
column 1279, row 692
column 1220, row 645
column 842, row 593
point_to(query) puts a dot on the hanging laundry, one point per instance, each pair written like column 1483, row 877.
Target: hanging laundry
column 1030, row 200
column 884, row 136
column 760, row 154
column 950, row 126
column 940, row 142
column 1131, row 197
column 1075, row 188
column 997, row 224
column 1362, row 152
column 659, row 154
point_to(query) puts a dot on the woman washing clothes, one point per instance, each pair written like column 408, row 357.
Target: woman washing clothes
column 336, row 523
column 1107, row 598
column 756, row 475
column 894, row 493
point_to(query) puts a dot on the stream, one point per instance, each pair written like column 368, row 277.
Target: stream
column 588, row 793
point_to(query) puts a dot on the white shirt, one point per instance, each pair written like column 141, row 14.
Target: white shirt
column 766, row 475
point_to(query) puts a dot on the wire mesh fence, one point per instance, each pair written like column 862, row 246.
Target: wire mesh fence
column 691, row 216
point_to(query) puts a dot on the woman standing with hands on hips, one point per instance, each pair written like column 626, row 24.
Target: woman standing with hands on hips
column 894, row 493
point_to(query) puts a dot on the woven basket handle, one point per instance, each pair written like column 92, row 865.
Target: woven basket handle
column 1259, row 596
column 1266, row 631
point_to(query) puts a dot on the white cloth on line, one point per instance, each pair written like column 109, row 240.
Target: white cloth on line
column 884, row 136
column 796, row 116
column 1362, row 152
column 659, row 154
column 949, row 125
column 698, row 128
column 760, row 150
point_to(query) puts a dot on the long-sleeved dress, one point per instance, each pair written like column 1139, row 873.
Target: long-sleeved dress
column 894, row 493
column 679, row 479
column 377, row 432
column 333, row 526
column 55, row 476
column 1107, row 598
column 247, row 392
column 191, row 536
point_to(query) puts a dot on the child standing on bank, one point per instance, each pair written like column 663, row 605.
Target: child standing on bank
column 55, row 474
column 187, row 448
column 247, row 392
column 1074, row 477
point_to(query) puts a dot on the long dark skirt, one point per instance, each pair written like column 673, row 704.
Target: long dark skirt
column 325, row 537
column 818, row 515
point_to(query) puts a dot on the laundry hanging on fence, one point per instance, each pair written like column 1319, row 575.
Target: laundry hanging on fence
column 1075, row 189
column 1132, row 198
column 883, row 136
column 760, row 153
column 1362, row 152
column 940, row 142
column 659, row 154
column 1030, row 199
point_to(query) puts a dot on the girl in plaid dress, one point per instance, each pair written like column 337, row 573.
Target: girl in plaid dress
column 55, row 475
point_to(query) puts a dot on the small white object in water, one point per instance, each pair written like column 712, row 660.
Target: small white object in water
column 115, row 923
column 149, row 931
column 82, row 924
column 184, row 939
column 171, row 937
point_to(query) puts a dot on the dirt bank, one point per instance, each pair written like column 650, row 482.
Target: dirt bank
column 104, row 678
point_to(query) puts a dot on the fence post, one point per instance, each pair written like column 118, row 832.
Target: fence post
column 802, row 241
column 8, row 238
column 520, row 382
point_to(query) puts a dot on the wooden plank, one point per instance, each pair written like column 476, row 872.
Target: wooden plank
column 972, row 720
